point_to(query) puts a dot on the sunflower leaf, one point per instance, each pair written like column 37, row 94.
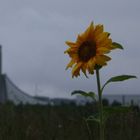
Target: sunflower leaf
column 118, row 79
column 116, row 45
column 96, row 117
column 93, row 118
column 85, row 94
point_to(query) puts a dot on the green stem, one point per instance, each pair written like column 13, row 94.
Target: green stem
column 100, row 105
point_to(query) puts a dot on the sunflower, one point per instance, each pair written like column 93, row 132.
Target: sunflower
column 88, row 52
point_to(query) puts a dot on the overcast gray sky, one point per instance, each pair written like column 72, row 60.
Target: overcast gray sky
column 33, row 35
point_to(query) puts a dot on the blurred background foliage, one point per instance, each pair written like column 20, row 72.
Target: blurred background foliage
column 66, row 122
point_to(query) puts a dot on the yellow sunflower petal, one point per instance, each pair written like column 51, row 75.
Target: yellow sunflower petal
column 70, row 64
column 80, row 40
column 98, row 30
column 90, row 65
column 71, row 50
column 76, row 70
column 106, row 58
column 88, row 31
column 83, row 68
column 91, row 31
column 74, row 57
column 101, row 37
column 100, row 61
column 102, row 50
column 71, row 44
column 106, row 43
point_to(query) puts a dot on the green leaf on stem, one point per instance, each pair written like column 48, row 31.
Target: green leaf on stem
column 116, row 45
column 121, row 78
column 94, row 119
column 118, row 79
column 85, row 94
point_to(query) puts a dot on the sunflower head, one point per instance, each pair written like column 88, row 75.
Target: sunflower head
column 89, row 51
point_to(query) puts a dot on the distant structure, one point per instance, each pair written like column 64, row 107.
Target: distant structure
column 10, row 92
column 125, row 100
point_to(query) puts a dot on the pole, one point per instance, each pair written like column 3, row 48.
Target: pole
column 0, row 59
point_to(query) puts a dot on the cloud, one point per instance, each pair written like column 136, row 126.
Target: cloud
column 33, row 35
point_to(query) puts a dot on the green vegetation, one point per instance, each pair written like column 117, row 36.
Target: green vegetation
column 65, row 122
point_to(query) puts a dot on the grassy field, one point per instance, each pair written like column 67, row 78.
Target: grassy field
column 64, row 122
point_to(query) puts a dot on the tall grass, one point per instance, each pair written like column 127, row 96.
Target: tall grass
column 64, row 122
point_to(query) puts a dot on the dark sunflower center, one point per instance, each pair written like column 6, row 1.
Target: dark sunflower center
column 87, row 50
